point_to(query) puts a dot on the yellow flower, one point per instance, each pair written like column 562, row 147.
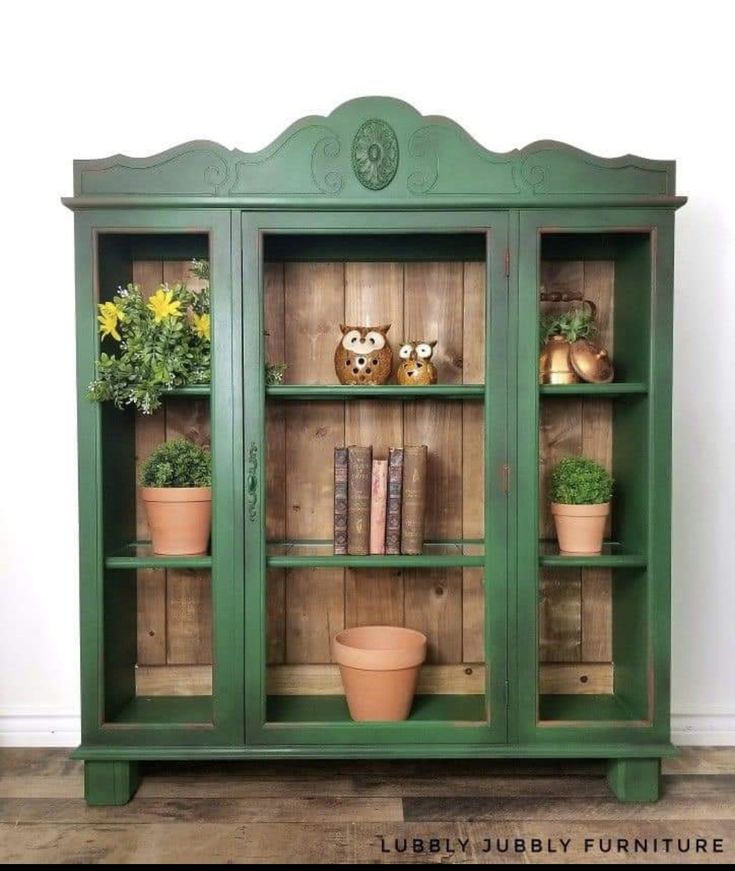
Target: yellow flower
column 108, row 317
column 202, row 325
column 162, row 307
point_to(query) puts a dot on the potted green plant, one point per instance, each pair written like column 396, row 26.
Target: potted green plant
column 176, row 488
column 153, row 343
column 580, row 490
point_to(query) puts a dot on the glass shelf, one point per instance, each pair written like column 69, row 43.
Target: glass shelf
column 139, row 555
column 613, row 555
column 624, row 388
column 320, row 554
column 333, row 709
column 374, row 391
column 164, row 711
column 189, row 390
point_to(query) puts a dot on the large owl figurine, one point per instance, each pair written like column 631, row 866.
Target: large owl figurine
column 416, row 366
column 363, row 355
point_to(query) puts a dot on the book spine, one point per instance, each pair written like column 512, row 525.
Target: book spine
column 340, row 500
column 359, row 474
column 393, row 513
column 414, row 499
column 378, row 497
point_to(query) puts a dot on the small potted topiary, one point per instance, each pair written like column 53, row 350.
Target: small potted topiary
column 176, row 487
column 580, row 490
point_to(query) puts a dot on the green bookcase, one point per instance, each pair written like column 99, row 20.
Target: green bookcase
column 403, row 220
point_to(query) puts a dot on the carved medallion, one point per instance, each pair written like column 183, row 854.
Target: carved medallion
column 375, row 154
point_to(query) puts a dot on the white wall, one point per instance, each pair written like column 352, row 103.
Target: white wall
column 81, row 82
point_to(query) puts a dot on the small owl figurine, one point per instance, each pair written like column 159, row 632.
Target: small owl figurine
column 416, row 366
column 363, row 355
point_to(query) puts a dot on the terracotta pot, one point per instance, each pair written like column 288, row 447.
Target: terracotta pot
column 580, row 528
column 179, row 518
column 379, row 667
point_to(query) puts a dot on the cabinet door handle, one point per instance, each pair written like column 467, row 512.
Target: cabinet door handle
column 252, row 481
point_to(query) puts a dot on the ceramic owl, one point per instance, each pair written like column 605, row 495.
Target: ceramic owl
column 363, row 355
column 416, row 366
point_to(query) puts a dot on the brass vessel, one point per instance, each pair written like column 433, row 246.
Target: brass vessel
column 555, row 366
column 591, row 362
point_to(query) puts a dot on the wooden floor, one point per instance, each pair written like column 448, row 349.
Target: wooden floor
column 353, row 812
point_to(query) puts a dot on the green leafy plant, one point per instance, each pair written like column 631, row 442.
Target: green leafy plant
column 179, row 463
column 576, row 323
column 580, row 481
column 274, row 372
column 163, row 342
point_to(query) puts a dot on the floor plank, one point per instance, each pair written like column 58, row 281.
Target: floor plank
column 212, row 843
column 198, row 810
column 701, row 760
column 374, row 812
column 718, row 807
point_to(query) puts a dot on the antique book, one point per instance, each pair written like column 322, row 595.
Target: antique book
column 340, row 500
column 378, row 505
column 413, row 508
column 393, row 513
column 359, row 475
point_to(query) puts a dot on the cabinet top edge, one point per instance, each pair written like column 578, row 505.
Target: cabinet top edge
column 374, row 150
column 286, row 203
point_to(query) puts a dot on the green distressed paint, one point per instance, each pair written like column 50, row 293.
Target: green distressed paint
column 110, row 782
column 635, row 780
column 434, row 192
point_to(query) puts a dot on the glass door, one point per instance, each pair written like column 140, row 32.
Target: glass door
column 594, row 626
column 312, row 283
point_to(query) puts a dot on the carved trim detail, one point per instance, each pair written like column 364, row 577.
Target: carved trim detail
column 326, row 150
column 422, row 149
column 375, row 154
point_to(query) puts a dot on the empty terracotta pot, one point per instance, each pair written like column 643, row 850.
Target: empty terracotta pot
column 379, row 667
column 179, row 518
column 580, row 528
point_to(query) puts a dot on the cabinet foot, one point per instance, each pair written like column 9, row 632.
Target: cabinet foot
column 635, row 779
column 110, row 783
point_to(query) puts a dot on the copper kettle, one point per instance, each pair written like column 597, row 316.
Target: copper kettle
column 555, row 365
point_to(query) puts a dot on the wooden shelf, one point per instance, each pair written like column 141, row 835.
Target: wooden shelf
column 374, row 391
column 319, row 554
column 333, row 709
column 630, row 388
column 140, row 556
column 613, row 556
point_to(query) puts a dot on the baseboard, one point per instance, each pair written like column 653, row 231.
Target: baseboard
column 711, row 729
column 714, row 729
column 40, row 730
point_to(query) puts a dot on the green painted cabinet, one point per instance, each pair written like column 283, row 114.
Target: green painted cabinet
column 377, row 214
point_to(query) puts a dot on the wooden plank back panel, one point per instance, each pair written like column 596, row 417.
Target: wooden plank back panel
column 188, row 594
column 316, row 298
column 597, row 443
column 433, row 309
column 575, row 612
column 275, row 448
column 300, row 680
column 374, row 296
column 188, row 617
column 473, row 460
column 560, row 435
column 314, row 598
column 150, row 430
